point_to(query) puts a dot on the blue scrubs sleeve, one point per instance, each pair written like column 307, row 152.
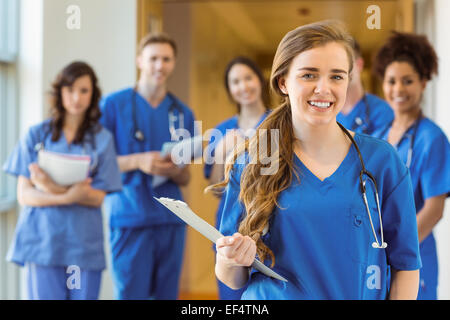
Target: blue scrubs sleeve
column 108, row 176
column 233, row 210
column 435, row 175
column 22, row 156
column 381, row 115
column 400, row 227
column 108, row 114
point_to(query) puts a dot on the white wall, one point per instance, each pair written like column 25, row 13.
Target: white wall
column 106, row 40
column 442, row 117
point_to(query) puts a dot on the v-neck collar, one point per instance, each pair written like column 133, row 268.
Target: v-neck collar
column 164, row 102
column 323, row 185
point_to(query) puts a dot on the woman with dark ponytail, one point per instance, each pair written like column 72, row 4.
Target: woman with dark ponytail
column 59, row 234
column 246, row 86
column 303, row 212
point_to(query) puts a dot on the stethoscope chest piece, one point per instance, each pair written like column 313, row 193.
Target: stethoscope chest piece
column 139, row 135
column 362, row 182
column 377, row 246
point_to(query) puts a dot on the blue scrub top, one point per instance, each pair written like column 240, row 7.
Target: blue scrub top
column 322, row 238
column 229, row 124
column 430, row 174
column 379, row 114
column 134, row 206
column 63, row 235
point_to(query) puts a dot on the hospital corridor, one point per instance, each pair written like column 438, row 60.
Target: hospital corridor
column 131, row 139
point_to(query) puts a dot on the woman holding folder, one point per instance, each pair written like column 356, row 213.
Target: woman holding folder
column 59, row 234
column 338, row 209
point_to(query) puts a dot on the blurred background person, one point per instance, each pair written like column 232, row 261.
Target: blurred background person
column 363, row 112
column 405, row 64
column 62, row 226
column 247, row 88
column 147, row 240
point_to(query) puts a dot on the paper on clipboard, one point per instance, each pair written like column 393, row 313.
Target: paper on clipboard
column 185, row 151
column 182, row 210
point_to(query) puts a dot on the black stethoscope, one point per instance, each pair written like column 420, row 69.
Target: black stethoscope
column 362, row 184
column 359, row 122
column 93, row 168
column 412, row 138
column 138, row 134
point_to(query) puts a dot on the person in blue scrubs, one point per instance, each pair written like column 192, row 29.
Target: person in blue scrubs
column 405, row 64
column 363, row 112
column 59, row 234
column 306, row 216
column 246, row 87
column 147, row 240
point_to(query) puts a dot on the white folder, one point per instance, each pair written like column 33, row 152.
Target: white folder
column 64, row 169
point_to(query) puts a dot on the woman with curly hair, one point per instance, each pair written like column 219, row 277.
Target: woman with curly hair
column 315, row 218
column 59, row 235
column 405, row 64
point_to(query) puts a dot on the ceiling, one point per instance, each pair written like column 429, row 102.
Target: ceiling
column 262, row 23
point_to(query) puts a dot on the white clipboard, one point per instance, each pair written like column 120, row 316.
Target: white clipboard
column 182, row 210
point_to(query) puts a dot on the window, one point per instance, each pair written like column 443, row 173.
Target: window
column 8, row 94
column 9, row 275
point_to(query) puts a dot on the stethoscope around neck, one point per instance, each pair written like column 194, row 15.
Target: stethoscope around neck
column 138, row 134
column 362, row 183
column 412, row 138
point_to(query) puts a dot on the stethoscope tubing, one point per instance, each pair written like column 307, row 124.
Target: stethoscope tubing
column 412, row 138
column 362, row 184
column 139, row 135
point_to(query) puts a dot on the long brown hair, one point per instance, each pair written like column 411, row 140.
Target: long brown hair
column 66, row 78
column 259, row 193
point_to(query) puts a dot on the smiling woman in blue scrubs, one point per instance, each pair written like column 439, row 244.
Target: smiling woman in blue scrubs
column 246, row 86
column 405, row 64
column 307, row 215
column 59, row 235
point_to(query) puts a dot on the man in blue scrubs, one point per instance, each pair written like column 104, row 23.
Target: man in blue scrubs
column 363, row 112
column 147, row 241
